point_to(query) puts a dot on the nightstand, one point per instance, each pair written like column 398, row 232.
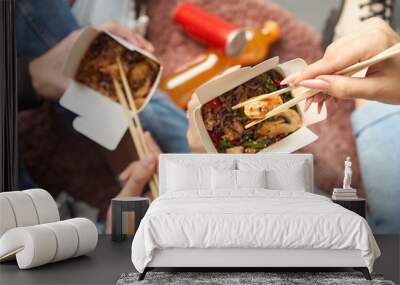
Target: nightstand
column 126, row 205
column 357, row 206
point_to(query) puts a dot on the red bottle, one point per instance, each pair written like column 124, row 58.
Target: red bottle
column 180, row 84
column 210, row 29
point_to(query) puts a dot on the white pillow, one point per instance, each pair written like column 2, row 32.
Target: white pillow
column 223, row 179
column 288, row 175
column 181, row 177
column 295, row 180
column 186, row 174
column 251, row 178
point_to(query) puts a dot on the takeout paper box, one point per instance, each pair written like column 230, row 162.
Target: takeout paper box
column 228, row 81
column 99, row 118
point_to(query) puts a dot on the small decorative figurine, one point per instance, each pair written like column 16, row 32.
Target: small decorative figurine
column 347, row 192
column 347, row 174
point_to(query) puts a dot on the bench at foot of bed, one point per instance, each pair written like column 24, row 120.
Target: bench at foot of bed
column 363, row 270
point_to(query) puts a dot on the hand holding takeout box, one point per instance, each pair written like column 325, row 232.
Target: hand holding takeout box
column 91, row 94
column 207, row 93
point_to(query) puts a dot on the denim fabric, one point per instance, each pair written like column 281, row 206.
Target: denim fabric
column 41, row 24
column 166, row 123
column 377, row 131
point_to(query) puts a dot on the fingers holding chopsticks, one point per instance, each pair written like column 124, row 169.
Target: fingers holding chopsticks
column 373, row 37
column 145, row 165
column 381, row 83
column 320, row 99
column 153, row 147
column 344, row 87
column 150, row 159
column 136, row 131
column 127, row 34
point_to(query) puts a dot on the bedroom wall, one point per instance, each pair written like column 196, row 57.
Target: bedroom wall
column 390, row 258
column 302, row 11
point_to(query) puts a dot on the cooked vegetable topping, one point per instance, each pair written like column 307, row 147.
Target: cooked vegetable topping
column 226, row 126
column 214, row 104
column 258, row 144
column 224, row 143
column 99, row 65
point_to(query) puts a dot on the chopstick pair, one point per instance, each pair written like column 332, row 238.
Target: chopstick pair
column 136, row 130
column 306, row 92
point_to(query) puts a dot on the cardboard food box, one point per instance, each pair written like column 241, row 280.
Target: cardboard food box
column 100, row 117
column 217, row 87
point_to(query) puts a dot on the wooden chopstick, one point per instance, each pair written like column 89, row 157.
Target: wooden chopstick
column 304, row 95
column 264, row 96
column 347, row 71
column 388, row 53
column 131, row 103
column 132, row 129
column 132, row 106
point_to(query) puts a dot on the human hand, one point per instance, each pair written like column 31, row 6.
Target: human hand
column 381, row 82
column 141, row 172
column 137, row 175
column 128, row 35
column 154, row 151
column 46, row 70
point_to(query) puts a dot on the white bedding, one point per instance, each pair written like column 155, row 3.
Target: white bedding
column 253, row 218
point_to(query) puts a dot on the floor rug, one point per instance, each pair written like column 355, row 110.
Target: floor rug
column 243, row 278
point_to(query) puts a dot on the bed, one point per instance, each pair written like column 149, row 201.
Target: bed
column 246, row 211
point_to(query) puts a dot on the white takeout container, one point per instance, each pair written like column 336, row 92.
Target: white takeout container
column 100, row 118
column 226, row 82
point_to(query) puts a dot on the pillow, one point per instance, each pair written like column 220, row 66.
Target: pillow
column 251, row 178
column 288, row 175
column 187, row 174
column 223, row 179
column 226, row 179
column 183, row 178
column 295, row 180
column 187, row 161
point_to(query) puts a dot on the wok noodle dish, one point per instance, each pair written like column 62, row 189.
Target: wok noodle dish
column 99, row 65
column 226, row 127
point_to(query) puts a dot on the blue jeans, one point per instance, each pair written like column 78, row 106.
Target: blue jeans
column 41, row 24
column 377, row 131
column 166, row 123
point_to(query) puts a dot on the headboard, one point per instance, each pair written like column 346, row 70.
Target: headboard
column 212, row 158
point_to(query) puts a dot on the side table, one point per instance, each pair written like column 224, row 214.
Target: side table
column 119, row 206
column 357, row 206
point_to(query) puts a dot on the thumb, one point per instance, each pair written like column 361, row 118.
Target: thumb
column 149, row 162
column 152, row 145
column 145, row 169
column 142, row 171
column 343, row 87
